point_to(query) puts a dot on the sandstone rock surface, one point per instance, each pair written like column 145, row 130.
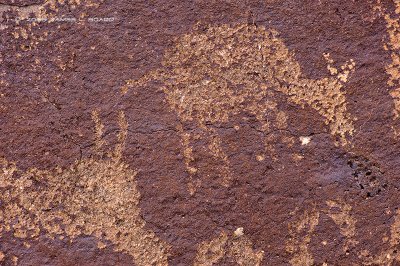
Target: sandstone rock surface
column 199, row 132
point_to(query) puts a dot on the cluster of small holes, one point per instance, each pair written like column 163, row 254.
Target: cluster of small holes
column 369, row 177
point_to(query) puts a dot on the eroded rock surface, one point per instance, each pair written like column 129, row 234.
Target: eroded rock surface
column 199, row 132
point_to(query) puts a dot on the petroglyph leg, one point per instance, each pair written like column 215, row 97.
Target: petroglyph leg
column 215, row 147
column 121, row 137
column 340, row 213
column 188, row 157
column 98, row 133
column 300, row 233
column 392, row 20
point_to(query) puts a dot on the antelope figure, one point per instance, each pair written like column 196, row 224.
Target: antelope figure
column 212, row 74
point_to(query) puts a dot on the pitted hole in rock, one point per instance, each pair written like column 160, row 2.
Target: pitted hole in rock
column 368, row 176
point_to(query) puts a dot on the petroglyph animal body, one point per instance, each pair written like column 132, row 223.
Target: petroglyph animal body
column 212, row 74
column 94, row 196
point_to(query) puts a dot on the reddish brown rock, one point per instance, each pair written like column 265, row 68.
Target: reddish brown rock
column 199, row 132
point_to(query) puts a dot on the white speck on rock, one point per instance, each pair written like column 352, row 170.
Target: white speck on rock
column 305, row 140
column 238, row 231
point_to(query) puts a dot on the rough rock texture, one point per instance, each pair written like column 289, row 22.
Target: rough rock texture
column 199, row 132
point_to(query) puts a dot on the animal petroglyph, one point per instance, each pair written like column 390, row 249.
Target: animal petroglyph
column 209, row 76
column 95, row 196
column 236, row 246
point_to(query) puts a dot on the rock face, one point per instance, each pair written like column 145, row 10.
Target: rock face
column 199, row 132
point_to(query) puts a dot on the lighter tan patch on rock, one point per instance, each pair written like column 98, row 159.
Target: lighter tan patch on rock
column 391, row 254
column 210, row 252
column 101, row 245
column 396, row 97
column 333, row 70
column 260, row 157
column 302, row 230
column 14, row 260
column 393, row 45
column 300, row 233
column 236, row 246
column 94, row 196
column 297, row 157
column 47, row 12
column 281, row 120
column 98, row 132
column 345, row 69
column 341, row 215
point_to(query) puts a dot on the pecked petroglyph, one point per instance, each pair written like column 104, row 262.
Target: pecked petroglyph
column 209, row 76
column 302, row 230
column 37, row 14
column 236, row 246
column 300, row 233
column 393, row 45
column 95, row 196
column 390, row 255
column 46, row 10
column 340, row 213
